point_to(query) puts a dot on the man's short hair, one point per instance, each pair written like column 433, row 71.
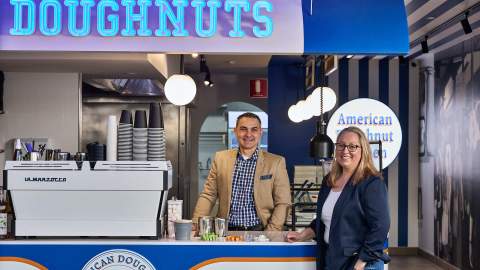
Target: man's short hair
column 248, row 115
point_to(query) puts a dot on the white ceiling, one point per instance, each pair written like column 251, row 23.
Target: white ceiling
column 110, row 65
column 126, row 65
column 229, row 63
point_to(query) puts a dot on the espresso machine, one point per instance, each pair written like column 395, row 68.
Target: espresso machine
column 103, row 198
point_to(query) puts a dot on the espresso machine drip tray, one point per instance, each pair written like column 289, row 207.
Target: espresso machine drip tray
column 62, row 198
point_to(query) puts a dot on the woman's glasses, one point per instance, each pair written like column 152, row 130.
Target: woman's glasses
column 350, row 147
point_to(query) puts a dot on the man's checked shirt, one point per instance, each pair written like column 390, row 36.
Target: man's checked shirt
column 242, row 206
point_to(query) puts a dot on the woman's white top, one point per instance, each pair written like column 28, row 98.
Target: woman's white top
column 327, row 212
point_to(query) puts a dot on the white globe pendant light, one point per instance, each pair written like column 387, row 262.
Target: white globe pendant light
column 303, row 110
column 180, row 89
column 293, row 115
column 329, row 100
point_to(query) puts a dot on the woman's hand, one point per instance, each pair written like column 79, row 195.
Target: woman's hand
column 359, row 265
column 293, row 237
column 306, row 234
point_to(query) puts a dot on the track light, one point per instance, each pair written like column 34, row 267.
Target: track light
column 424, row 44
column 208, row 81
column 402, row 60
column 204, row 69
column 467, row 28
column 203, row 65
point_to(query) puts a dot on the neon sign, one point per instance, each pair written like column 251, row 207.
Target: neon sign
column 47, row 17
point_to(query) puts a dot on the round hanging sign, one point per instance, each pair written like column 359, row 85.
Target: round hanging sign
column 378, row 122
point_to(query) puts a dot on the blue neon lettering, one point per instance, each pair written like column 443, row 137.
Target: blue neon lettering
column 212, row 28
column 72, row 15
column 18, row 29
column 57, row 17
column 237, row 6
column 113, row 19
column 262, row 19
column 171, row 17
column 141, row 17
column 165, row 10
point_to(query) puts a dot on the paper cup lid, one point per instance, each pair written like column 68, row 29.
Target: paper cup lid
column 183, row 221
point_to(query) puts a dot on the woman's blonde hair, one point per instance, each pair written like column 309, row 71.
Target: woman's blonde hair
column 365, row 167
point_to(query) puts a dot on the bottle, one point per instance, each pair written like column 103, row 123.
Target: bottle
column 3, row 216
column 10, row 216
column 17, row 153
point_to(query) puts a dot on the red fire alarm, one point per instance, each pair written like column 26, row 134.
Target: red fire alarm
column 259, row 88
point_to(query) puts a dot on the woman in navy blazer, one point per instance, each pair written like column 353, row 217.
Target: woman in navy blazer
column 352, row 209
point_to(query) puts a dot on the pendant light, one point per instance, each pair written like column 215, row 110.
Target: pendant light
column 180, row 89
column 321, row 146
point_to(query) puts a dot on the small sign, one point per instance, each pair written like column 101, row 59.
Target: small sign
column 310, row 62
column 330, row 64
column 259, row 88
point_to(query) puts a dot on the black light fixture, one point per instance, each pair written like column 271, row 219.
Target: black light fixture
column 424, row 44
column 321, row 146
column 467, row 28
column 208, row 81
column 2, row 80
column 203, row 64
column 402, row 60
column 204, row 69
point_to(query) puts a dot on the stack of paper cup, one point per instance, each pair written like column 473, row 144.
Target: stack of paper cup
column 125, row 135
column 156, row 134
column 174, row 213
column 112, row 138
column 140, row 136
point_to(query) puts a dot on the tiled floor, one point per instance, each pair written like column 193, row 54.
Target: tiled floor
column 411, row 263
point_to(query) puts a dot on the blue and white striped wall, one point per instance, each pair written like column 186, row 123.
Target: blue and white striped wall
column 384, row 79
column 394, row 84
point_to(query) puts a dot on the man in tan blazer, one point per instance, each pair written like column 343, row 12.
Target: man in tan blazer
column 251, row 185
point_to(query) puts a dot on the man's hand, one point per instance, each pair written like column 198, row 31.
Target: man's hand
column 359, row 265
column 195, row 229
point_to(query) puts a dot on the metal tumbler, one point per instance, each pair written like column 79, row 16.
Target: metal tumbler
column 49, row 154
column 205, row 225
column 34, row 156
column 63, row 156
column 80, row 156
column 220, row 227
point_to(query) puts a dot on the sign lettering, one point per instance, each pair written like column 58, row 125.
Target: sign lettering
column 134, row 16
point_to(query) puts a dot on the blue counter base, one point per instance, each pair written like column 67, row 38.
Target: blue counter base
column 145, row 255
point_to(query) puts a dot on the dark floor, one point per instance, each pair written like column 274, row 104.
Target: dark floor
column 411, row 263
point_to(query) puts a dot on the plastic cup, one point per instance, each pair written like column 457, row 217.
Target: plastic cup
column 183, row 229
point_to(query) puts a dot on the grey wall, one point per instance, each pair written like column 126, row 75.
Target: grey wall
column 426, row 165
column 41, row 105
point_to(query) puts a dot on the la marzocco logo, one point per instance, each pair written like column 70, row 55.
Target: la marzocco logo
column 119, row 259
column 45, row 179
